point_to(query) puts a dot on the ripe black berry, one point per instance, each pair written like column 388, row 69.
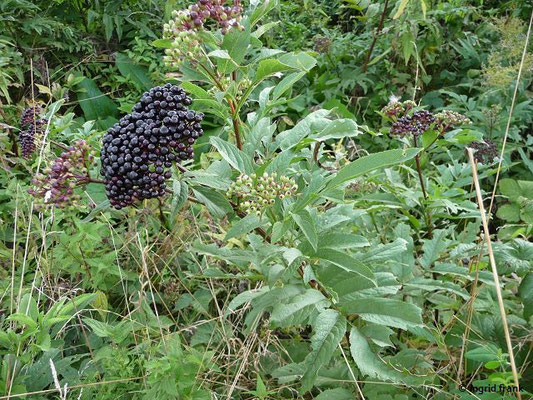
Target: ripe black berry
column 139, row 149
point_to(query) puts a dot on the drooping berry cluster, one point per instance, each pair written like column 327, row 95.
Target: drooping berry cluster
column 255, row 193
column 32, row 127
column 183, row 28
column 448, row 118
column 414, row 125
column 485, row 151
column 322, row 44
column 55, row 186
column 396, row 109
column 138, row 151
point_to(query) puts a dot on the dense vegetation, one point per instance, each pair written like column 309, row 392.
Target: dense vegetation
column 266, row 199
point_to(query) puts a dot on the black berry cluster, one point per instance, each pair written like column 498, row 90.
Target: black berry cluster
column 485, row 151
column 32, row 127
column 138, row 151
column 415, row 124
column 55, row 186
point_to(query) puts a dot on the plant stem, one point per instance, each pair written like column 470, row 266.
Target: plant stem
column 424, row 193
column 233, row 108
column 378, row 31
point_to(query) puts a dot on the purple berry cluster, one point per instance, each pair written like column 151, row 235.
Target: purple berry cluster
column 415, row 124
column 32, row 126
column 184, row 26
column 55, row 186
column 485, row 151
column 138, row 151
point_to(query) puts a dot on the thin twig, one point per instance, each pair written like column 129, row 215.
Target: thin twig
column 494, row 271
column 378, row 31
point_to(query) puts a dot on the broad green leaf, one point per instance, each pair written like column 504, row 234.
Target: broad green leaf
column 268, row 68
column 216, row 203
column 307, row 225
column 401, row 9
column 525, row 291
column 431, row 284
column 298, row 309
column 379, row 334
column 180, row 193
column 329, row 328
column 195, row 90
column 337, row 129
column 95, row 104
column 434, row 248
column 235, row 43
column 301, row 60
column 346, row 262
column 235, row 157
column 243, row 226
column 385, row 311
column 162, row 43
column 370, row 163
column 373, row 366
column 286, row 84
column 130, row 69
column 336, row 394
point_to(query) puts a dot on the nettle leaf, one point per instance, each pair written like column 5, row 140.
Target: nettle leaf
column 434, row 248
column 298, row 309
column 372, row 366
column 235, row 157
column 384, row 311
column 329, row 328
column 370, row 163
column 308, row 226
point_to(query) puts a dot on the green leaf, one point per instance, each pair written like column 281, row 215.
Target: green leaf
column 385, row 311
column 243, row 226
column 370, row 163
column 235, row 43
column 130, row 69
column 95, row 104
column 401, row 9
column 298, row 309
column 336, row 394
column 268, row 68
column 338, row 129
column 217, row 205
column 286, row 83
column 525, row 291
column 235, row 157
column 162, row 43
column 434, row 248
column 371, row 365
column 307, row 225
column 346, row 262
column 180, row 193
column 329, row 328
column 301, row 61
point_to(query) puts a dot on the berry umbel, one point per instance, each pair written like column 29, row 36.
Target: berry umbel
column 255, row 193
column 56, row 185
column 184, row 27
column 138, row 151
